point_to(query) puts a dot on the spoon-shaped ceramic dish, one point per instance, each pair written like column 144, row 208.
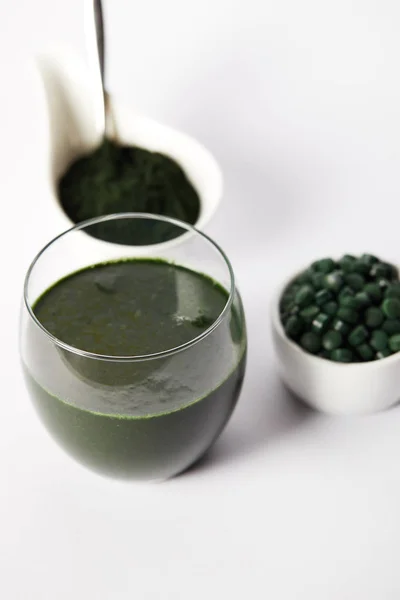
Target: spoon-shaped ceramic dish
column 73, row 96
column 335, row 388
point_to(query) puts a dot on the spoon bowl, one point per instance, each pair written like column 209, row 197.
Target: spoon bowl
column 76, row 127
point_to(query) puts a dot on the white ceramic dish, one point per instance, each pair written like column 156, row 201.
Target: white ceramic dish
column 335, row 388
column 73, row 98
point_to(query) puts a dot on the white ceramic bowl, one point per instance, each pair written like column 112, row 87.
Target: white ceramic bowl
column 72, row 94
column 335, row 388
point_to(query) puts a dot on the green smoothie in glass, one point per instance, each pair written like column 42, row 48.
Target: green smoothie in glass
column 134, row 361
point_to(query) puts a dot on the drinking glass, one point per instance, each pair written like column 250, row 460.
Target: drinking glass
column 146, row 415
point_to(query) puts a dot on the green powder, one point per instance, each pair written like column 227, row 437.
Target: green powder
column 117, row 179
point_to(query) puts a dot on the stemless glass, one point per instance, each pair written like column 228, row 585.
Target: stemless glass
column 146, row 415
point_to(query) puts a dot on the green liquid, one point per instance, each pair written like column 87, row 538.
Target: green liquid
column 146, row 419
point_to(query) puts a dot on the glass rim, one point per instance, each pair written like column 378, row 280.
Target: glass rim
column 131, row 215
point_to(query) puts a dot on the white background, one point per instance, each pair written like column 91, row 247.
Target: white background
column 300, row 102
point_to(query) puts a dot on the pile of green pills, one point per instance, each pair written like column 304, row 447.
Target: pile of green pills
column 346, row 310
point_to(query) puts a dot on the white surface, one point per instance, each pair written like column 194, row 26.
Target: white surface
column 300, row 103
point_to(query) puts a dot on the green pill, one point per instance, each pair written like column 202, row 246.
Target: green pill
column 365, row 352
column 385, row 270
column 373, row 317
column 391, row 326
column 330, row 308
column 320, row 323
column 333, row 281
column 391, row 307
column 287, row 295
column 363, row 299
column 379, row 340
column 358, row 335
column 394, row 343
column 294, row 327
column 322, row 297
column 286, row 302
column 309, row 313
column 348, row 315
column 311, row 342
column 325, row 265
column 332, row 340
column 304, row 296
column 369, row 259
column 349, row 302
column 317, row 279
column 290, row 309
column 342, row 355
column 324, row 354
column 346, row 263
column 355, row 281
column 360, row 267
column 304, row 277
column 348, row 257
column 374, row 292
column 340, row 326
column 383, row 284
column 345, row 291
column 393, row 291
column 292, row 291
column 383, row 353
column 392, row 271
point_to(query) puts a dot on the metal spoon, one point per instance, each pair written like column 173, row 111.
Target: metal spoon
column 109, row 123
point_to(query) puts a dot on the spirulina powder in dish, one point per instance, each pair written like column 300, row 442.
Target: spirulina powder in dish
column 116, row 179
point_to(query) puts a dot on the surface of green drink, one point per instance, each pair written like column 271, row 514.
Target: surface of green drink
column 148, row 418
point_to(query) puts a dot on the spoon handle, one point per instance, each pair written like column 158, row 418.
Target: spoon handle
column 109, row 123
column 99, row 23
